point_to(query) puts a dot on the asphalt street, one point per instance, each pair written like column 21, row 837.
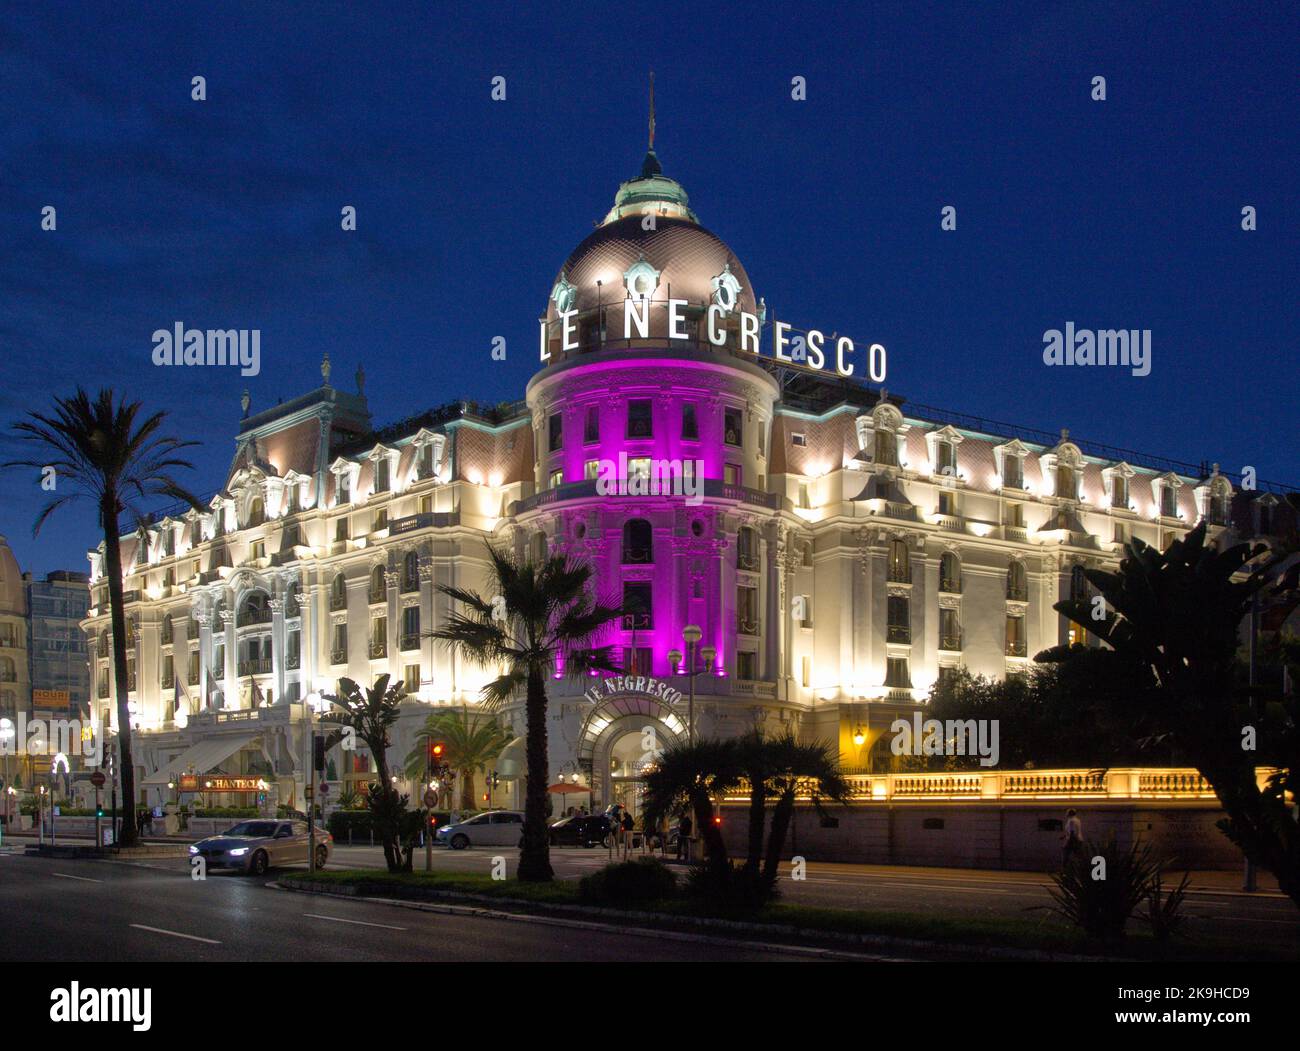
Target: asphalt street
column 57, row 910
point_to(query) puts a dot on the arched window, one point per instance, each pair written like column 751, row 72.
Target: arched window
column 1017, row 586
column 539, row 546
column 255, row 610
column 746, row 548
column 293, row 600
column 638, row 541
column 1078, row 584
column 8, row 670
column 949, row 572
column 256, row 512
column 378, row 585
column 900, row 562
column 167, row 628
column 339, row 592
column 411, row 571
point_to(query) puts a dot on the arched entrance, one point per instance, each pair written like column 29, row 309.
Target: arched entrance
column 621, row 738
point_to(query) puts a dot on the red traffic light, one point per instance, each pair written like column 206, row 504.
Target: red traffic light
column 717, row 819
column 436, row 750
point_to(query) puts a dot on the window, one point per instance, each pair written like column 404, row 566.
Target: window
column 900, row 562
column 257, row 549
column 294, row 503
column 166, row 629
column 539, row 546
column 1013, row 472
column 411, row 678
column 638, row 542
column 1067, row 487
column 733, row 429
column 293, row 649
column 899, row 628
column 411, row 571
column 506, row 819
column 1015, row 636
column 344, row 492
column 747, row 611
column 1017, row 588
column 378, row 637
column 637, row 605
column 949, row 573
column 591, row 470
column 638, row 467
column 256, row 512
column 886, row 449
column 555, row 431
column 949, row 630
column 341, row 528
column 591, row 426
column 381, row 474
column 638, row 661
column 805, row 672
column 731, row 474
column 947, row 503
column 639, row 424
column 1119, row 491
column 339, row 592
column 803, row 610
column 381, row 520
column 1014, row 516
column 945, row 460
column 410, row 628
column 747, row 549
column 1168, row 501
column 168, row 672
column 1078, row 584
column 1121, row 533
column 746, row 665
column 897, row 674
column 424, row 506
column 801, row 440
column 193, row 672
column 690, row 423
column 556, row 479
column 339, row 644
column 378, row 586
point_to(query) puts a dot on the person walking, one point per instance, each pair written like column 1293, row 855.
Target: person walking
column 627, row 825
column 684, row 836
column 1072, row 840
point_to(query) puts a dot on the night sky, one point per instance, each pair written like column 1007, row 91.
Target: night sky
column 226, row 213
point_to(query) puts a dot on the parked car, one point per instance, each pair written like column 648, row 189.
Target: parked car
column 496, row 828
column 255, row 846
column 590, row 830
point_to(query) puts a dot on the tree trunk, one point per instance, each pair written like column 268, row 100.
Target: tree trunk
column 1259, row 833
column 467, row 790
column 535, row 856
column 714, row 847
column 780, row 826
column 389, row 828
column 129, row 836
column 757, row 818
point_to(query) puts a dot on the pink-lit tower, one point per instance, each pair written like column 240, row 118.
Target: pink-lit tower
column 632, row 380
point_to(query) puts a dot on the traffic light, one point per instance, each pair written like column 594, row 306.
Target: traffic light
column 99, row 810
column 318, row 753
column 435, row 751
column 717, row 819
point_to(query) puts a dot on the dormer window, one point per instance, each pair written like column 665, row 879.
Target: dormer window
column 344, row 488
column 886, row 450
column 381, row 474
column 1119, row 492
column 1168, row 501
column 1013, row 472
column 945, row 459
column 1067, row 485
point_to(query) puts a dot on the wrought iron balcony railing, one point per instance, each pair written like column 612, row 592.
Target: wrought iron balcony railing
column 898, row 633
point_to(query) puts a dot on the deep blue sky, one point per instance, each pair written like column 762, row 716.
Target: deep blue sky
column 225, row 213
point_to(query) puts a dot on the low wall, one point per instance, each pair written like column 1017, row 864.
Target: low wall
column 974, row 834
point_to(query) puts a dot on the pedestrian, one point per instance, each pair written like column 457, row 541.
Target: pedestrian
column 684, row 836
column 1072, row 840
column 628, row 825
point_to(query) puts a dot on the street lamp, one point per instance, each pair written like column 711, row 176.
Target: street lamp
column 691, row 634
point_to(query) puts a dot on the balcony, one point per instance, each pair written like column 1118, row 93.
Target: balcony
column 410, row 641
column 102, row 692
column 424, row 520
column 746, row 626
column 256, row 666
column 637, row 556
column 898, row 633
column 339, row 656
column 165, row 639
column 950, row 586
column 378, row 595
column 747, row 562
column 168, row 682
column 899, row 574
column 192, row 679
column 292, row 661
column 219, row 672
column 637, row 622
column 8, row 676
column 410, row 584
column 1017, row 594
column 249, row 617
column 952, row 643
column 338, row 601
column 1016, row 648
column 378, row 649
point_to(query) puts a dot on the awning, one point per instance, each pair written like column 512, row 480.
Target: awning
column 201, row 758
column 512, row 761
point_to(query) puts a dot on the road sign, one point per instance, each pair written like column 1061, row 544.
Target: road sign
column 430, row 798
column 324, row 788
column 97, row 779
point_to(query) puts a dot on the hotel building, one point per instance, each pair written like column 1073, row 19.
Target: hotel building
column 848, row 549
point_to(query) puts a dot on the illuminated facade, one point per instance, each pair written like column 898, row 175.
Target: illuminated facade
column 844, row 549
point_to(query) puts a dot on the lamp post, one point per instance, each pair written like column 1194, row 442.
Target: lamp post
column 691, row 634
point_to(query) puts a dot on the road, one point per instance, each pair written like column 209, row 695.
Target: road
column 57, row 910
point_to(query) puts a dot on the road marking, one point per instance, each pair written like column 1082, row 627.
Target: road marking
column 175, row 934
column 359, row 923
column 84, row 879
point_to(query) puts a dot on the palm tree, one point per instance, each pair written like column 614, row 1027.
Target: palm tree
column 371, row 714
column 549, row 625
column 694, row 775
column 471, row 743
column 1178, row 612
column 814, row 767
column 101, row 449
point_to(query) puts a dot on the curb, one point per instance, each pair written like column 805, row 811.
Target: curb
column 648, row 922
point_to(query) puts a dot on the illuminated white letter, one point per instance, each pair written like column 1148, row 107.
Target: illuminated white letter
column 716, row 336
column 841, row 345
column 779, row 329
column 876, row 356
column 816, row 359
column 546, row 354
column 642, row 316
column 676, row 322
column 570, row 330
column 748, row 332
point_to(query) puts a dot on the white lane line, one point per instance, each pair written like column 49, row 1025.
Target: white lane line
column 359, row 923
column 175, row 934
column 84, row 879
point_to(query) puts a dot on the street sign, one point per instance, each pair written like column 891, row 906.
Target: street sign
column 430, row 798
column 324, row 788
column 97, row 779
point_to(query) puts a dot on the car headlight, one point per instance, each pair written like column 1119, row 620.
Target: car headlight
column 239, row 852
column 193, row 849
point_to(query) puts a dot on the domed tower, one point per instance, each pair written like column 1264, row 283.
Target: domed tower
column 652, row 424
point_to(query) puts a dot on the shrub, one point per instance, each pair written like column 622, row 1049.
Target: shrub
column 1165, row 913
column 730, row 889
column 628, row 883
column 1101, row 898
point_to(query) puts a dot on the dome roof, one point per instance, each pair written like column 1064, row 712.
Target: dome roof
column 679, row 255
column 13, row 592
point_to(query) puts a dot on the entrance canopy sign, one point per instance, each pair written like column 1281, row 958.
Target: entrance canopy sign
column 218, row 783
column 645, row 685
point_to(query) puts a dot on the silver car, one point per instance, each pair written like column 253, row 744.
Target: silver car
column 255, row 846
column 497, row 828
